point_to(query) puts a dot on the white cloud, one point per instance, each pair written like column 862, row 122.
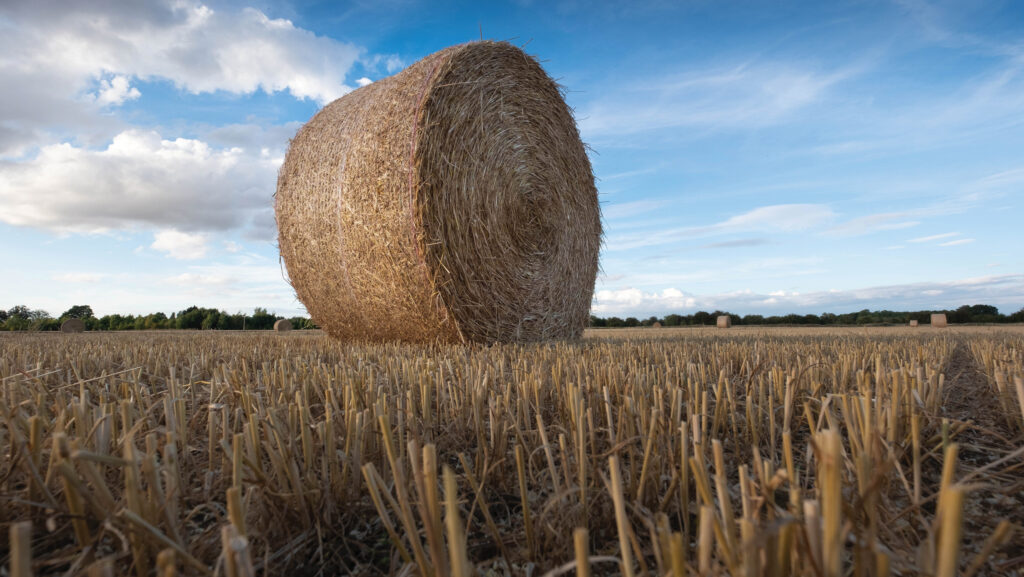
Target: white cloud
column 232, row 246
column 139, row 179
column 194, row 46
column 180, row 245
column 116, row 91
column 364, row 81
column 957, row 242
column 64, row 65
column 1004, row 291
column 934, row 237
column 393, row 64
column 628, row 299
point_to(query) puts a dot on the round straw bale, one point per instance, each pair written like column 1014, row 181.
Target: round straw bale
column 72, row 326
column 451, row 202
column 939, row 320
column 724, row 321
column 283, row 325
column 913, row 323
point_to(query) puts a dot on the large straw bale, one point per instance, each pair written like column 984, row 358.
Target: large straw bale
column 939, row 320
column 72, row 326
column 913, row 323
column 724, row 321
column 282, row 325
column 451, row 202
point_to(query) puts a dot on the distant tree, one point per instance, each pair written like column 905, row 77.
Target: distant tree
column 978, row 310
column 632, row 322
column 1017, row 317
column 3, row 315
column 302, row 323
column 39, row 314
column 960, row 315
column 156, row 321
column 616, row 322
column 261, row 320
column 672, row 320
column 78, row 312
column 702, row 318
column 191, row 318
column 210, row 320
column 753, row 320
column 20, row 312
column 46, row 324
column 594, row 322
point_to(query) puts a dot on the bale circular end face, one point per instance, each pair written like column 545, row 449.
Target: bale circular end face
column 939, row 320
column 913, row 323
column 451, row 202
column 724, row 321
column 72, row 326
column 283, row 325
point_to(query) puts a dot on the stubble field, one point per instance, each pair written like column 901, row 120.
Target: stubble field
column 748, row 451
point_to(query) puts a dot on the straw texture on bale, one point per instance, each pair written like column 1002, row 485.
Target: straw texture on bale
column 72, row 326
column 656, row 325
column 283, row 325
column 939, row 320
column 451, row 202
column 913, row 323
column 724, row 321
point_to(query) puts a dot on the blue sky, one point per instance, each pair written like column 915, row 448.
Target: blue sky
column 754, row 157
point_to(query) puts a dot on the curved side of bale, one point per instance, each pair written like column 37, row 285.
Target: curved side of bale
column 283, row 325
column 451, row 202
column 939, row 320
column 913, row 323
column 72, row 326
column 724, row 321
column 345, row 214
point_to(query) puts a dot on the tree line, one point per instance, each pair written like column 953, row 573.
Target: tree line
column 23, row 318
column 964, row 314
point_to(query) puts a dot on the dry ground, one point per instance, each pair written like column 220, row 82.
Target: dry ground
column 812, row 451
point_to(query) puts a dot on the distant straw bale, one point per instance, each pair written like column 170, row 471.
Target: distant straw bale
column 283, row 325
column 913, row 323
column 452, row 202
column 656, row 325
column 724, row 321
column 939, row 320
column 72, row 326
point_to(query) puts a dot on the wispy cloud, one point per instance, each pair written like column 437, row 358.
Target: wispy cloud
column 933, row 238
column 957, row 242
column 630, row 209
column 776, row 218
column 743, row 96
column 739, row 243
column 79, row 277
column 873, row 223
